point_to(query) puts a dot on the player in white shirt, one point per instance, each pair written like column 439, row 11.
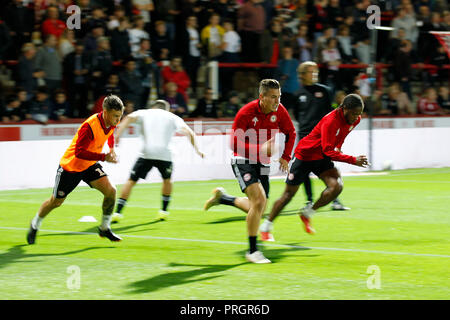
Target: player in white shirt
column 157, row 127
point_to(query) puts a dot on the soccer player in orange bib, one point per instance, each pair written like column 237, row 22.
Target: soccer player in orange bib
column 80, row 162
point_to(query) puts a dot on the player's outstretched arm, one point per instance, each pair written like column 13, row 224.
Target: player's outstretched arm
column 191, row 135
column 131, row 118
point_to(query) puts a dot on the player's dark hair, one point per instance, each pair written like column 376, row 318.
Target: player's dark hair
column 268, row 84
column 113, row 102
column 352, row 101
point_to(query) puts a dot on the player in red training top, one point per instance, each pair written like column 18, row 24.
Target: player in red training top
column 252, row 142
column 80, row 162
column 314, row 153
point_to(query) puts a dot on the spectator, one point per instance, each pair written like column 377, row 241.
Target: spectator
column 428, row 104
column 97, row 19
column 440, row 59
column 5, row 40
column 148, row 71
column 40, row 107
column 66, row 43
column 174, row 72
column 112, row 85
column 251, row 24
column 394, row 45
column 47, row 60
column 304, row 43
column 301, row 10
column 20, row 21
column 26, row 74
column 161, row 43
column 335, row 14
column 394, row 102
column 131, row 84
column 231, row 46
column 12, row 111
column 402, row 66
column 36, row 39
column 332, row 59
column 91, row 40
column 406, row 21
column 167, row 10
column 76, row 74
column 427, row 43
column 226, row 9
column 321, row 42
column 60, row 108
column 137, row 33
column 120, row 48
column 271, row 43
column 444, row 98
column 285, row 10
column 231, row 106
column 360, row 20
column 206, row 106
column 177, row 103
column 190, row 39
column 145, row 8
column 115, row 19
column 22, row 95
column 101, row 66
column 362, row 51
column 287, row 74
column 52, row 25
column 318, row 19
column 211, row 37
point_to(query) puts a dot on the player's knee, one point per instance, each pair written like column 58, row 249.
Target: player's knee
column 56, row 202
column 259, row 202
column 111, row 193
column 337, row 186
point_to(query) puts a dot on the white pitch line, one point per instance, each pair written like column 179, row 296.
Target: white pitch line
column 244, row 243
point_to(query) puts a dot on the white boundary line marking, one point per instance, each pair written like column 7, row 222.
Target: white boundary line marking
column 244, row 243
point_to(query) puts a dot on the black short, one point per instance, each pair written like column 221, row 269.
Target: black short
column 301, row 169
column 66, row 181
column 248, row 174
column 143, row 166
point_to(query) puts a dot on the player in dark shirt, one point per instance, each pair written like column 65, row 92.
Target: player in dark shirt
column 316, row 153
column 313, row 102
column 252, row 141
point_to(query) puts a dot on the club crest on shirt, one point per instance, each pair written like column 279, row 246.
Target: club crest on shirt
column 255, row 120
column 302, row 98
column 338, row 132
column 61, row 193
column 273, row 118
column 318, row 94
column 247, row 177
column 291, row 176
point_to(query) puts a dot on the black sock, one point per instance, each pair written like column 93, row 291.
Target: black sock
column 308, row 189
column 165, row 202
column 227, row 199
column 252, row 241
column 120, row 204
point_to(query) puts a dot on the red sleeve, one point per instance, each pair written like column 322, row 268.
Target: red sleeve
column 85, row 136
column 329, row 143
column 287, row 127
column 239, row 134
column 111, row 141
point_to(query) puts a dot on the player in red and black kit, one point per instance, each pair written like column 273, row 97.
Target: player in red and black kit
column 252, row 142
column 316, row 153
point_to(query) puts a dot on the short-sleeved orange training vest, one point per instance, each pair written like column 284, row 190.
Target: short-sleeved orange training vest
column 70, row 162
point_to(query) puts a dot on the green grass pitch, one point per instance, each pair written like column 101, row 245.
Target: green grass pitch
column 399, row 222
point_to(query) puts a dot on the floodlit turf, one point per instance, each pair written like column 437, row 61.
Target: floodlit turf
column 399, row 222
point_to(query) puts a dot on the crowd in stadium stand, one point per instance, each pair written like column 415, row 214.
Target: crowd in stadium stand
column 140, row 48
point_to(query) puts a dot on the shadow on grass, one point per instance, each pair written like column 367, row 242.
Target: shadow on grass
column 203, row 273
column 171, row 279
column 17, row 254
